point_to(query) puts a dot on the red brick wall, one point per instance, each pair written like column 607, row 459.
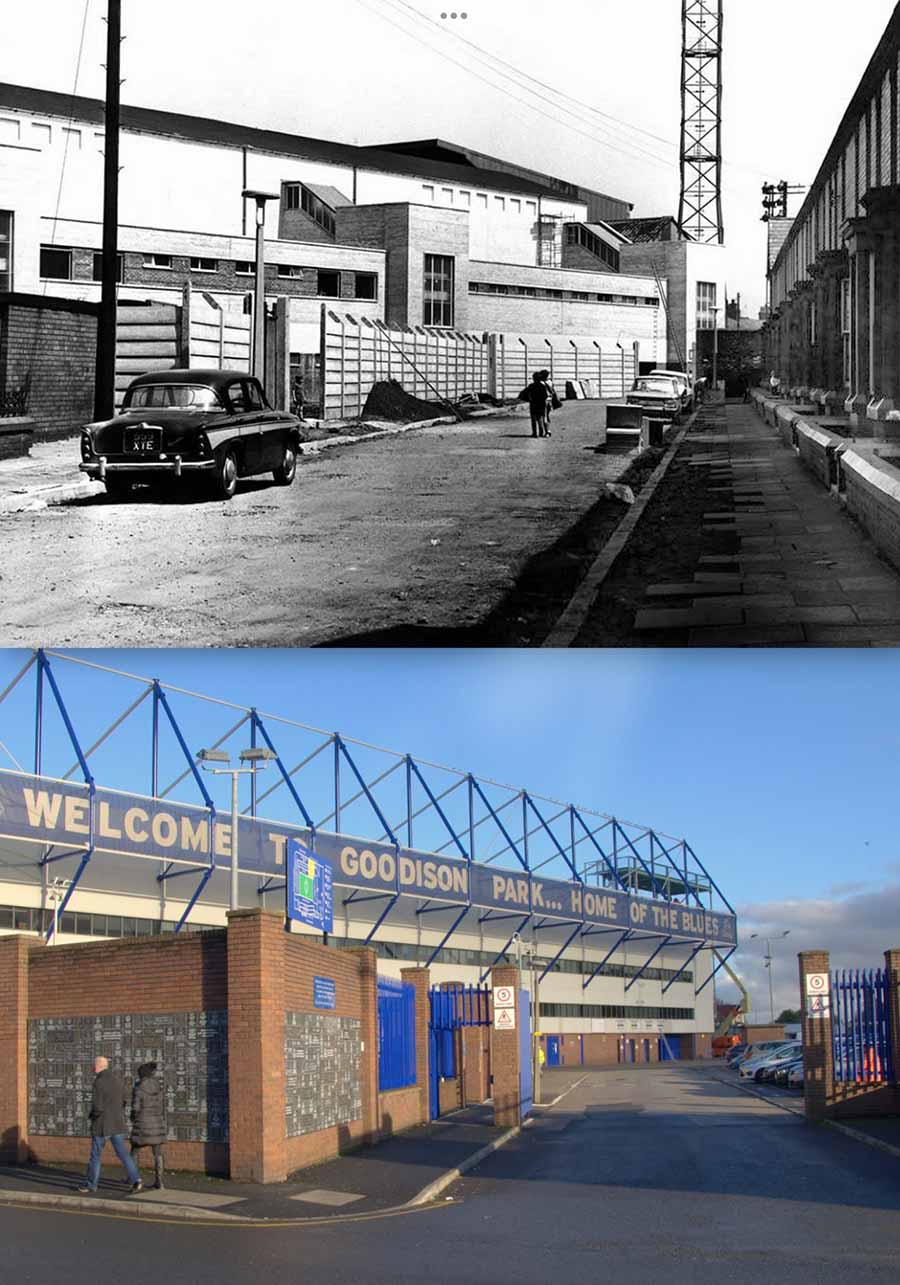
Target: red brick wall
column 48, row 347
column 420, row 979
column 505, row 1056
column 398, row 1109
column 143, row 975
column 14, row 955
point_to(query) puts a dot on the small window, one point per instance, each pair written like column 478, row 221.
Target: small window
column 428, row 191
column 200, row 264
column 465, row 198
column 6, row 227
column 56, row 264
column 500, row 202
column 42, row 134
column 244, row 268
column 158, row 261
column 292, row 196
column 290, row 270
column 366, row 285
column 447, row 195
column 515, row 205
column 254, row 396
column 98, row 266
column 329, row 284
column 481, row 200
column 72, row 137
column 437, row 292
column 237, row 396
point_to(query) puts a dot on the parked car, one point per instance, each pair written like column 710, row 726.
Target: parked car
column 753, row 1067
column 780, row 1073
column 657, row 394
column 750, row 1050
column 685, row 385
column 795, row 1077
column 176, row 425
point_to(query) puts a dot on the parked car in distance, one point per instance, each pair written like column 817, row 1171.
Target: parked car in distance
column 684, row 382
column 753, row 1067
column 175, row 425
column 746, row 1051
column 657, row 394
column 780, row 1073
column 795, row 1077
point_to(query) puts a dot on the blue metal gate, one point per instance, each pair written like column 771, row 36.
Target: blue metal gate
column 860, row 1025
column 449, row 1011
column 396, row 1034
column 669, row 1048
column 553, row 1050
column 526, row 1069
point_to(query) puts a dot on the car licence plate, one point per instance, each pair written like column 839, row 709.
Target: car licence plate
column 143, row 441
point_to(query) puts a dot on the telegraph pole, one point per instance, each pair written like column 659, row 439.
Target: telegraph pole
column 105, row 372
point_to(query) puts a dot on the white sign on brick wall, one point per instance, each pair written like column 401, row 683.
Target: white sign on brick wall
column 817, row 984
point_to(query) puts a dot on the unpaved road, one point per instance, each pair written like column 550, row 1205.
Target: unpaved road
column 429, row 527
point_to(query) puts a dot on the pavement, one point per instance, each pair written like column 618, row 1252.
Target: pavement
column 778, row 563
column 654, row 1174
column 389, row 1175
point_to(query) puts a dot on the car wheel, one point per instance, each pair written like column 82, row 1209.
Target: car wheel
column 117, row 488
column 225, row 475
column 286, row 471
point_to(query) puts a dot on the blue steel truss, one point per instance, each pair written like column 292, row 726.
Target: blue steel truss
column 446, row 810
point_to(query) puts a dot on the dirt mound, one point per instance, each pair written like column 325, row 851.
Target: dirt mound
column 388, row 400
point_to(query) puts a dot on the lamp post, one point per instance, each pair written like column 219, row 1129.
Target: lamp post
column 258, row 347
column 768, row 959
column 257, row 759
column 715, row 367
column 56, row 891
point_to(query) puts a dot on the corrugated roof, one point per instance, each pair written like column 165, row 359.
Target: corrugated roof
column 661, row 228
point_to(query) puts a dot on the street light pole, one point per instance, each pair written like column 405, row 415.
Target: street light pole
column 715, row 365
column 768, row 959
column 257, row 759
column 258, row 346
column 105, row 361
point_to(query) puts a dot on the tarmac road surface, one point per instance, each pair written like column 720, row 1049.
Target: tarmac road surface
column 428, row 527
column 659, row 1175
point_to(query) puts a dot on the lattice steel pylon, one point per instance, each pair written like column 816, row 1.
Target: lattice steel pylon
column 700, row 205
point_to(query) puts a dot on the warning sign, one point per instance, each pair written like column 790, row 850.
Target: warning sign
column 817, row 984
column 504, row 1019
column 818, row 1005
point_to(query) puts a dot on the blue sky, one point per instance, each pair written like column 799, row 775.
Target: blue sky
column 780, row 768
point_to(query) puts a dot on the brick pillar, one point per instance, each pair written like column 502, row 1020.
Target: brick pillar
column 256, row 1102
column 420, row 979
column 505, row 1055
column 892, row 967
column 368, row 1061
column 14, row 1042
column 818, row 1059
column 860, row 247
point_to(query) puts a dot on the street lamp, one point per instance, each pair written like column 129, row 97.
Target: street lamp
column 56, row 893
column 258, row 348
column 768, row 959
column 256, row 760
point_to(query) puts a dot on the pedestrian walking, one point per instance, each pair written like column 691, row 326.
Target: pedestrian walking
column 108, row 1104
column 297, row 396
column 538, row 396
column 555, row 403
column 148, row 1118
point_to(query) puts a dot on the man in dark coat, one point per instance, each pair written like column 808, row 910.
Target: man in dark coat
column 148, row 1117
column 108, row 1103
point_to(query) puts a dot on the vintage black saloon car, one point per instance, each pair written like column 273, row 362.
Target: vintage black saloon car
column 214, row 426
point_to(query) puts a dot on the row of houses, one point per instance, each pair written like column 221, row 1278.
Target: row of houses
column 834, row 270
column 426, row 233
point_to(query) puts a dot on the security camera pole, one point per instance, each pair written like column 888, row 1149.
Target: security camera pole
column 258, row 347
column 257, row 759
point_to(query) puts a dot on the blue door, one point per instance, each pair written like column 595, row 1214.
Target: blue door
column 553, row 1050
column 526, row 1083
column 646, row 1050
column 669, row 1048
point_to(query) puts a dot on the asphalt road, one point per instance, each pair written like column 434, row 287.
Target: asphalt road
column 638, row 1176
column 429, row 527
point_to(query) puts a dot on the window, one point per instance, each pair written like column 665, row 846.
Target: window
column 289, row 270
column 317, row 210
column 41, row 134
column 706, row 305
column 328, row 284
column 6, row 223
column 428, row 191
column 515, row 205
column 97, row 272
column 812, row 322
column 292, row 196
column 10, row 129
column 500, row 202
column 447, row 195
column 465, row 198
column 437, row 294
column 158, row 261
column 239, row 397
column 72, row 137
column 845, row 329
column 366, row 285
column 578, row 234
column 56, row 263
column 481, row 199
column 199, row 264
column 244, row 268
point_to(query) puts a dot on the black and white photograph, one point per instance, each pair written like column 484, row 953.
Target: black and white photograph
column 450, row 641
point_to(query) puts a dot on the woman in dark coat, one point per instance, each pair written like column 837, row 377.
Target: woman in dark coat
column 148, row 1117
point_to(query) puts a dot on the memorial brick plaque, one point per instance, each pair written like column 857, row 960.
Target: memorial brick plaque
column 321, row 1072
column 191, row 1050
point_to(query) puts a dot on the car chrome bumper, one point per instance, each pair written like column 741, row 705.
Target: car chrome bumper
column 101, row 467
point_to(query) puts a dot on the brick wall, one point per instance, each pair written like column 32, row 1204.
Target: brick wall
column 505, row 1055
column 165, row 974
column 48, row 348
column 16, row 436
